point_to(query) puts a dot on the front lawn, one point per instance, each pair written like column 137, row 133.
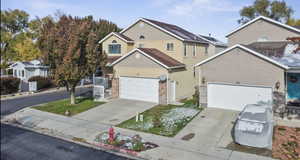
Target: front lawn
column 60, row 107
column 165, row 120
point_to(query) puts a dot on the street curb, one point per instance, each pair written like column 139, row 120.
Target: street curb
column 26, row 94
column 86, row 144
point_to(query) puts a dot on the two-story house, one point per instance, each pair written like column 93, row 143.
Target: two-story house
column 154, row 61
column 260, row 66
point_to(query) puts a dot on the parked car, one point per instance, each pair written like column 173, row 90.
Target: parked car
column 254, row 126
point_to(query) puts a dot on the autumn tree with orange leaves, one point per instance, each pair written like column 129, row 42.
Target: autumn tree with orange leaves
column 70, row 47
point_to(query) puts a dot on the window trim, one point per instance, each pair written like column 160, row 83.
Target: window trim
column 206, row 50
column 168, row 48
column 109, row 48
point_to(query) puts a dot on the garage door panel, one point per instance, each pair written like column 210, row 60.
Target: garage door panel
column 235, row 97
column 144, row 89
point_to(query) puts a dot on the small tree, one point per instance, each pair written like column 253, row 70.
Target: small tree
column 277, row 10
column 70, row 48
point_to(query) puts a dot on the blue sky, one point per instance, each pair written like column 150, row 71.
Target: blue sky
column 217, row 17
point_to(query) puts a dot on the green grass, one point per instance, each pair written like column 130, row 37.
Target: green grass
column 153, row 116
column 60, row 107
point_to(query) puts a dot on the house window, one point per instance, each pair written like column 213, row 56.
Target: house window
column 194, row 50
column 184, row 52
column 142, row 37
column 194, row 72
column 114, row 41
column 22, row 73
column 114, row 48
column 170, row 47
column 16, row 73
column 141, row 45
column 206, row 50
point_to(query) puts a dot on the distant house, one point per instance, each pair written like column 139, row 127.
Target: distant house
column 25, row 70
column 215, row 46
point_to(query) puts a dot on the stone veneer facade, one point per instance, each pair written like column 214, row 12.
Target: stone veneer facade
column 115, row 88
column 162, row 92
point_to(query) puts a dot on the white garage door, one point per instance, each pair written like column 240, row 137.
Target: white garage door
column 144, row 89
column 235, row 97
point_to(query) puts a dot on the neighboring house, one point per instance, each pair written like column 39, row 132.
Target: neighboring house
column 25, row 70
column 215, row 45
column 153, row 61
column 261, row 29
column 245, row 74
column 253, row 70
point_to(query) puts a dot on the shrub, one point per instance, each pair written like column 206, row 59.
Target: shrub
column 42, row 82
column 9, row 85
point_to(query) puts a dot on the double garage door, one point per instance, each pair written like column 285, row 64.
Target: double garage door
column 235, row 97
column 144, row 89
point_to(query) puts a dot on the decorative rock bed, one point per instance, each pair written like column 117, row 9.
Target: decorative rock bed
column 122, row 143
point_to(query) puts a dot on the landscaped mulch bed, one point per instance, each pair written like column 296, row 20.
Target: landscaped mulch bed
column 286, row 143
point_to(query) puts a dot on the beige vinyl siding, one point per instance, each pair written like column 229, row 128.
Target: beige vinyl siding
column 125, row 47
column 185, row 79
column 154, row 38
column 240, row 67
column 258, row 29
column 138, row 65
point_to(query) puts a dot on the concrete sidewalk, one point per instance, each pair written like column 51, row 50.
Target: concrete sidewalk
column 169, row 148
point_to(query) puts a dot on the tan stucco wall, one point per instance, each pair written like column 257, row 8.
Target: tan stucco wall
column 240, row 67
column 125, row 47
column 138, row 67
column 258, row 29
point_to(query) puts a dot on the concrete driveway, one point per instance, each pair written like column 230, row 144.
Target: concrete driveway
column 212, row 127
column 115, row 111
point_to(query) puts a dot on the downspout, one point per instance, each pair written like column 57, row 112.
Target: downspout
column 285, row 90
column 167, row 86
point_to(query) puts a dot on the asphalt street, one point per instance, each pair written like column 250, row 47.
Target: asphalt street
column 21, row 144
column 12, row 105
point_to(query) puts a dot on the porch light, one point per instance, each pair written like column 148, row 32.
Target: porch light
column 277, row 85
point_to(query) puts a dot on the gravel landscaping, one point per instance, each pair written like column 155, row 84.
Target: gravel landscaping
column 165, row 120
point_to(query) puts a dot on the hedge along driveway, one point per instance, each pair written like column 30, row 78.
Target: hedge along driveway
column 165, row 120
column 60, row 107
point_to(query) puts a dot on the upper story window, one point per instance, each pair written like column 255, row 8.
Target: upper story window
column 114, row 41
column 170, row 47
column 206, row 50
column 194, row 50
column 184, row 52
column 114, row 48
column 23, row 73
column 142, row 37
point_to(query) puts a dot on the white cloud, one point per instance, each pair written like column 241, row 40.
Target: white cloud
column 200, row 6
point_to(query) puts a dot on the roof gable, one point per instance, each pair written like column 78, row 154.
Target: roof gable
column 170, row 29
column 155, row 55
column 120, row 36
column 246, row 49
column 268, row 20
